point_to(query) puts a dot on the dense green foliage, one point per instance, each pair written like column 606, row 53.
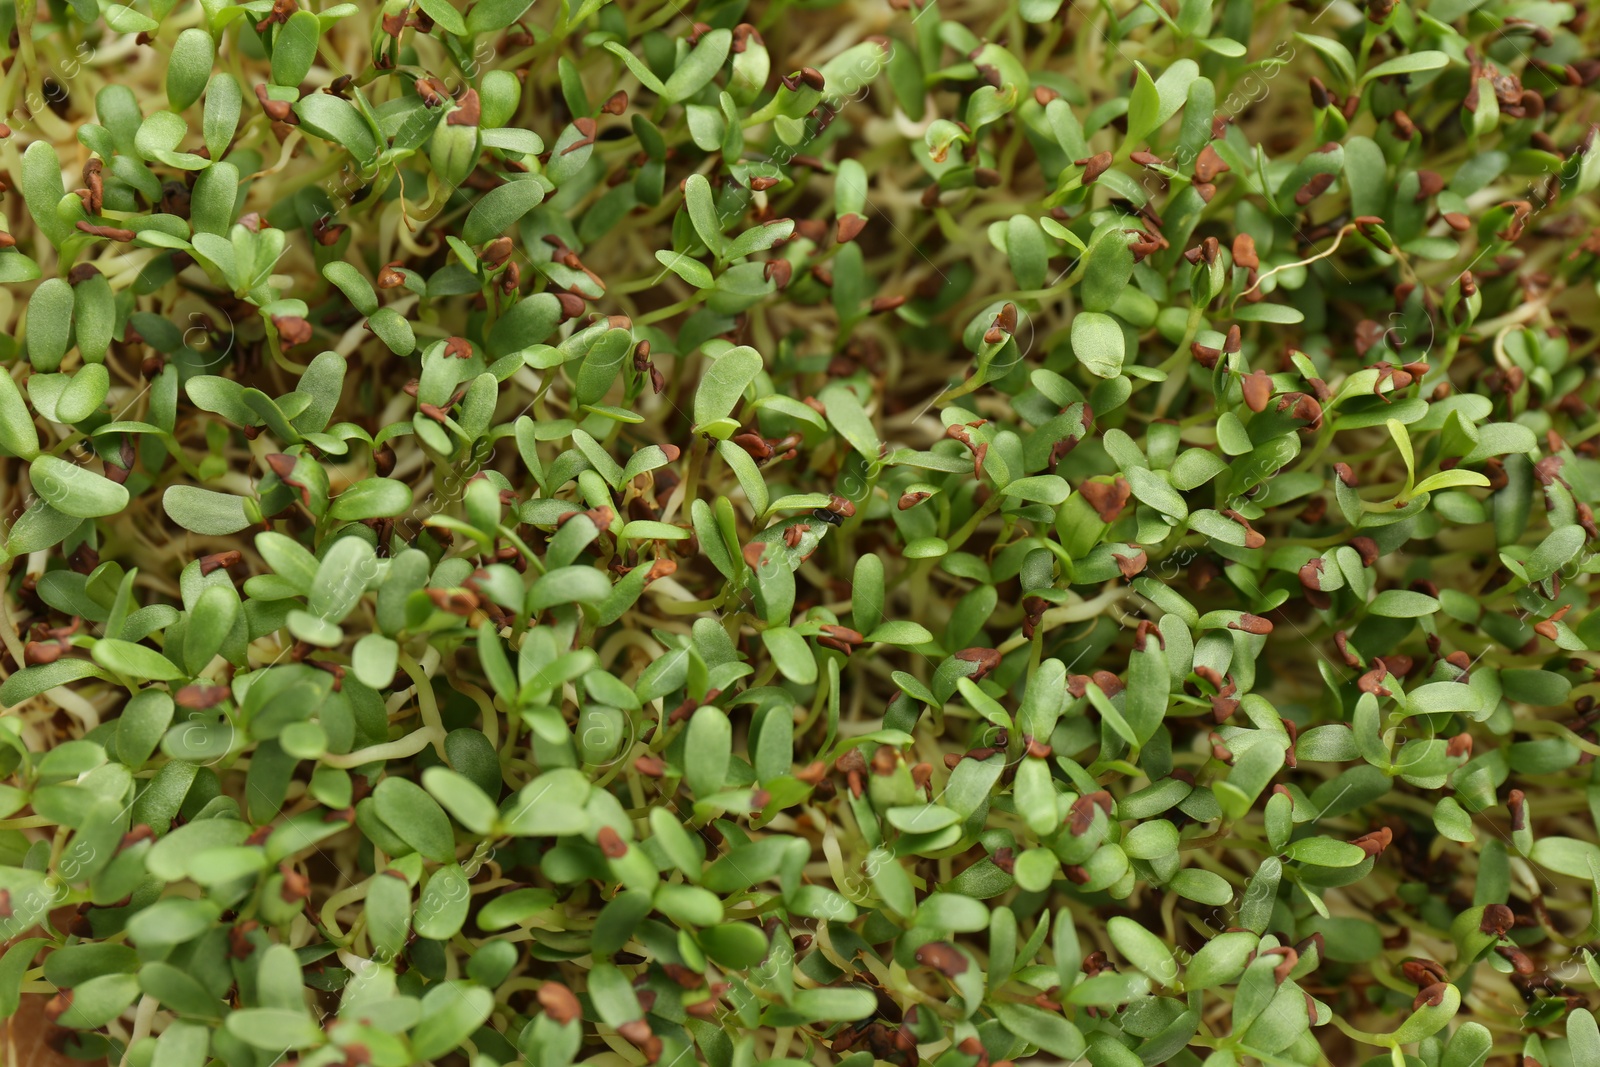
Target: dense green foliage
column 764, row 533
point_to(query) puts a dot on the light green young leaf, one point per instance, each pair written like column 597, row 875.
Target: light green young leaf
column 697, row 197
column 1409, row 63
column 74, row 490
column 701, row 65
column 724, row 383
column 202, row 511
column 1098, row 343
column 499, row 208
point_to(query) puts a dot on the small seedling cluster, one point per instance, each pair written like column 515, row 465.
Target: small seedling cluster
column 781, row 532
